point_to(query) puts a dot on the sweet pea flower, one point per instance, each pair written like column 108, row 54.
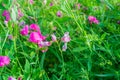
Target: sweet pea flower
column 20, row 14
column 19, row 78
column 51, row 4
column 93, row 19
column 78, row 5
column 31, row 1
column 4, row 60
column 24, row 31
column 6, row 14
column 59, row 14
column 11, row 78
column 44, row 44
column 66, row 37
column 64, row 47
column 36, row 37
column 54, row 39
column 35, row 27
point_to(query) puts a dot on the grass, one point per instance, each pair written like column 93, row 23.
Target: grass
column 93, row 52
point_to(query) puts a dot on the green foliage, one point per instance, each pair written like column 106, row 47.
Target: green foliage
column 93, row 52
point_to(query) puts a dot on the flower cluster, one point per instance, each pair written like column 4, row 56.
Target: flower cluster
column 65, row 39
column 36, row 36
column 6, row 14
column 93, row 19
column 4, row 60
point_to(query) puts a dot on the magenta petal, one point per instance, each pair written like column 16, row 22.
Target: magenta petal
column 11, row 78
column 36, row 37
column 24, row 31
column 4, row 60
column 93, row 19
column 35, row 27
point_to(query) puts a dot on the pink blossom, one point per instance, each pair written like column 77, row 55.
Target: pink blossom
column 51, row 4
column 11, row 78
column 93, row 19
column 66, row 37
column 4, row 60
column 24, row 31
column 44, row 44
column 19, row 78
column 6, row 14
column 31, row 1
column 54, row 39
column 64, row 47
column 36, row 37
column 34, row 27
column 20, row 14
column 59, row 14
column 78, row 5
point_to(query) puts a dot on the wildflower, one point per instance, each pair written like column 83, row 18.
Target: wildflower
column 36, row 37
column 6, row 14
column 24, row 31
column 51, row 4
column 35, row 27
column 4, row 60
column 20, row 14
column 66, row 37
column 64, row 47
column 31, row 1
column 54, row 39
column 78, row 5
column 22, row 23
column 6, row 23
column 93, row 19
column 59, row 14
column 44, row 44
column 11, row 78
column 19, row 78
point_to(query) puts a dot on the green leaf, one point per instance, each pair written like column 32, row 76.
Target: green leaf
column 78, row 49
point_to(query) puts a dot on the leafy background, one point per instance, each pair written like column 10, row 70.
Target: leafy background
column 93, row 52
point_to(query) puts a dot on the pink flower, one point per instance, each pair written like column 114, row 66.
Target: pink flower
column 54, row 39
column 6, row 14
column 36, row 37
column 35, row 27
column 20, row 14
column 66, row 37
column 24, row 31
column 59, row 14
column 78, row 5
column 11, row 78
column 31, row 1
column 64, row 47
column 4, row 60
column 44, row 44
column 93, row 19
column 51, row 4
